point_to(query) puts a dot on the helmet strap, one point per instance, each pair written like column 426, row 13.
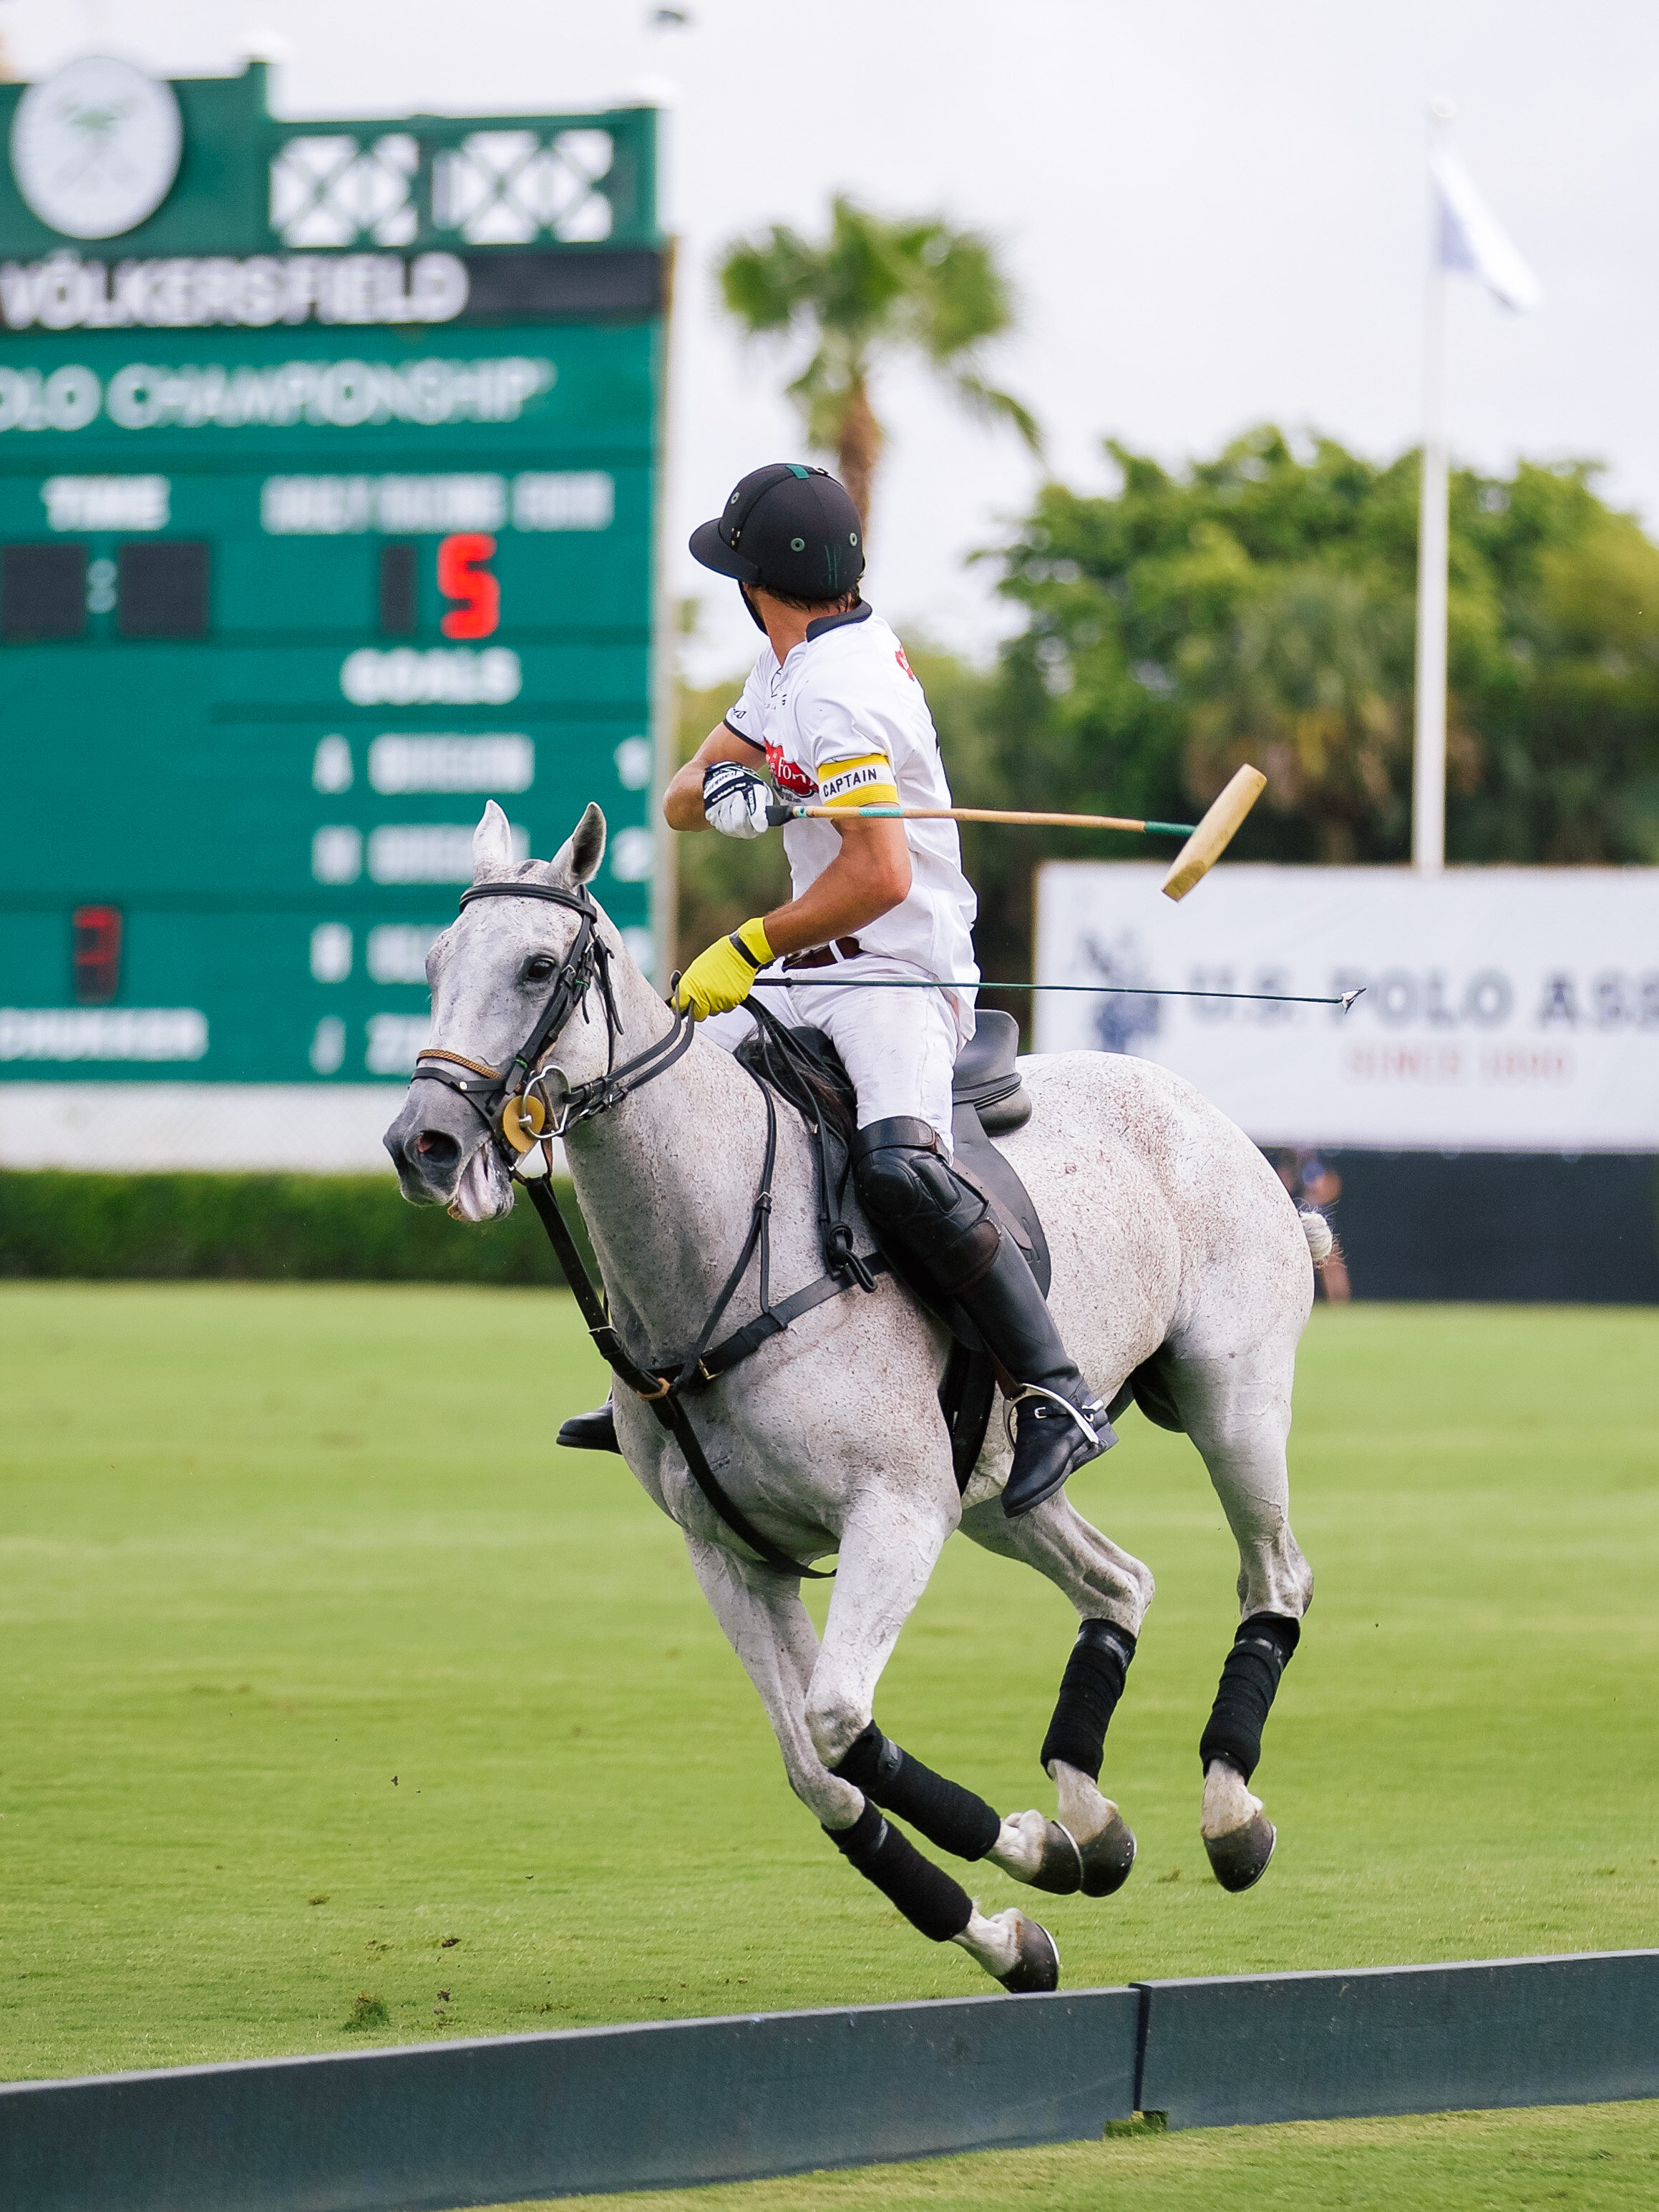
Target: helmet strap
column 754, row 611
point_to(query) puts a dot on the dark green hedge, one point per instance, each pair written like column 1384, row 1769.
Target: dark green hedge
column 299, row 1228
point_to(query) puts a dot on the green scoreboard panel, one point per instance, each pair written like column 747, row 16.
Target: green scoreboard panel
column 328, row 492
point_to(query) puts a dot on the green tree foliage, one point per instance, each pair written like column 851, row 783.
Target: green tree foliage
column 869, row 289
column 1261, row 605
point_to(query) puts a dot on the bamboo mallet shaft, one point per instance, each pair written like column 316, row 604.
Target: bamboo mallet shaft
column 989, row 814
column 1214, row 833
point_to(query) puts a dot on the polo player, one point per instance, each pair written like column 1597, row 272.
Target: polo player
column 832, row 716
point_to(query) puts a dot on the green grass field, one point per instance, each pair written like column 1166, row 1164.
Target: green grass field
column 1593, row 2158
column 265, row 1550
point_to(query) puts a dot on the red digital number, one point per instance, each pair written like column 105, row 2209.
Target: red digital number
column 461, row 575
column 97, row 954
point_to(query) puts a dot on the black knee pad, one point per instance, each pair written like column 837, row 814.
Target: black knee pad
column 939, row 1907
column 901, row 1173
column 1089, row 1691
column 906, row 1186
column 947, row 1814
column 1249, row 1681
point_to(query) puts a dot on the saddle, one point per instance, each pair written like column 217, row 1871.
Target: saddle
column 988, row 1100
column 986, row 1096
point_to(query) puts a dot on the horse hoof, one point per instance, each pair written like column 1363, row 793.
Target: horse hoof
column 1108, row 1857
column 1037, row 1967
column 1060, row 1870
column 1240, row 1857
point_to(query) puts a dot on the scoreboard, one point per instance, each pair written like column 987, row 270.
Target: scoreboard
column 328, row 488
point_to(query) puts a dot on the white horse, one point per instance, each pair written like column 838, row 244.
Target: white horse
column 1170, row 1233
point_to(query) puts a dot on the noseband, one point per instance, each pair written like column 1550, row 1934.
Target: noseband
column 513, row 1102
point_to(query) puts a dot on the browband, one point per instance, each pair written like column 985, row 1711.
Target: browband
column 581, row 901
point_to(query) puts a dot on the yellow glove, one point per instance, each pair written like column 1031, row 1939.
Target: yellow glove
column 719, row 978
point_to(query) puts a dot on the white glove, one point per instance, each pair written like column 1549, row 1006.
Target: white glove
column 734, row 801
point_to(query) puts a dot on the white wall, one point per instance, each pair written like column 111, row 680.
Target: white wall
column 328, row 1128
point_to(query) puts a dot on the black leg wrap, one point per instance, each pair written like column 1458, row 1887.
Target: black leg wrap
column 1262, row 1651
column 1089, row 1691
column 923, row 1892
column 943, row 1812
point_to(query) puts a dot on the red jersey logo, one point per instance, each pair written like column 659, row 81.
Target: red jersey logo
column 787, row 776
column 905, row 666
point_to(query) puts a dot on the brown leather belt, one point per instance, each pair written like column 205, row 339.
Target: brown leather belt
column 826, row 955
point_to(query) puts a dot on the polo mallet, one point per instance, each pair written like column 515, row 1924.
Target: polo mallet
column 1206, row 841
column 1214, row 833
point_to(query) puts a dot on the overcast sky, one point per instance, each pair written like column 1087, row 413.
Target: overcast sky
column 1214, row 213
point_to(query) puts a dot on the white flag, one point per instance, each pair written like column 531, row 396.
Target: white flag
column 1471, row 238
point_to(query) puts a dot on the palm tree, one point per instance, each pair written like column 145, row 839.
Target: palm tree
column 1310, row 680
column 872, row 287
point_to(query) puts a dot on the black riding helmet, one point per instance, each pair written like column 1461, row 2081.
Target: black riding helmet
column 788, row 528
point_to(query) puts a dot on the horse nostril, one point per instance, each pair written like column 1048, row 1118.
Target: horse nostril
column 438, row 1148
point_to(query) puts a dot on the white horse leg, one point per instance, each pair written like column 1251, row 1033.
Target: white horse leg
column 1241, row 1426
column 772, row 1634
column 887, row 1554
column 1111, row 1591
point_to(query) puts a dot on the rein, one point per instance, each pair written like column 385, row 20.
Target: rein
column 513, row 1107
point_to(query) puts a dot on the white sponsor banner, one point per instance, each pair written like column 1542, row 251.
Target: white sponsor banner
column 1504, row 1009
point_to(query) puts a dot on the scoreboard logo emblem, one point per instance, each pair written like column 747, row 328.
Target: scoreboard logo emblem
column 95, row 146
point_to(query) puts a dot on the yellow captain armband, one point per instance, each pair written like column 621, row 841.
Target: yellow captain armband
column 868, row 782
column 719, row 978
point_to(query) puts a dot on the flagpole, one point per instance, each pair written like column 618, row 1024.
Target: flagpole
column 1429, row 754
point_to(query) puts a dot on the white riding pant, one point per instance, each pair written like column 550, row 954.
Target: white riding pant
column 899, row 1046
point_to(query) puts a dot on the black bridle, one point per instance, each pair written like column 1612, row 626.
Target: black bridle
column 514, row 1097
column 517, row 1114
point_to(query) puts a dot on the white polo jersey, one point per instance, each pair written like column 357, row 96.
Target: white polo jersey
column 844, row 722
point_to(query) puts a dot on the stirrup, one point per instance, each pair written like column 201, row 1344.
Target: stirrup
column 1052, row 1462
column 1059, row 1398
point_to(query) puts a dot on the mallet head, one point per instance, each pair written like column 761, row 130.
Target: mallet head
column 1214, row 833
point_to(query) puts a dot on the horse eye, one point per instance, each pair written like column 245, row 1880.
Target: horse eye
column 537, row 969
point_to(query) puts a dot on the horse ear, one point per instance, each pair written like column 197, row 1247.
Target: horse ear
column 492, row 844
column 578, row 859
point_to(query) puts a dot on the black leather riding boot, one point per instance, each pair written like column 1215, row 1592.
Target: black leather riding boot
column 1059, row 1425
column 594, row 1432
column 907, row 1186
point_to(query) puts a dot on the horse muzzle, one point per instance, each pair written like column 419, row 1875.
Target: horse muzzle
column 438, row 1147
